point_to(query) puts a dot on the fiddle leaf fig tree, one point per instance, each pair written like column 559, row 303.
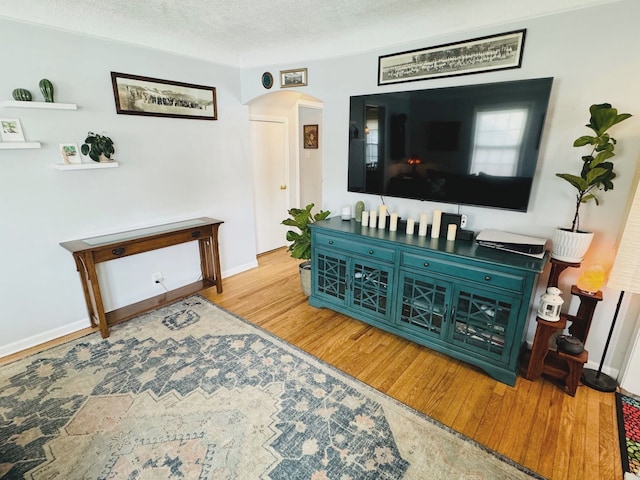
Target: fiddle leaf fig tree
column 597, row 172
column 96, row 145
column 301, row 218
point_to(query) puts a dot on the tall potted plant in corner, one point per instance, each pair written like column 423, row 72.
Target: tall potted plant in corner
column 571, row 244
column 301, row 218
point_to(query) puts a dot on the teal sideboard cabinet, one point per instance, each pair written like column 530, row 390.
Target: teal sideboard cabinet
column 461, row 299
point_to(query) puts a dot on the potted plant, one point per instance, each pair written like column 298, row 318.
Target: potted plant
column 571, row 244
column 98, row 147
column 301, row 218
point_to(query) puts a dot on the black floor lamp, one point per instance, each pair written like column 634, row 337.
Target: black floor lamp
column 624, row 276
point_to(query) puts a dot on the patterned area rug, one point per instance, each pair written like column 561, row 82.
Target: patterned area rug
column 190, row 391
column 629, row 430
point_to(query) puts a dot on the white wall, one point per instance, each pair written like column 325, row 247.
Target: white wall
column 589, row 52
column 171, row 169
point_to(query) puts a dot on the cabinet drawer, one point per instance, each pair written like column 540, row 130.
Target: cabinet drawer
column 111, row 252
column 374, row 251
column 467, row 272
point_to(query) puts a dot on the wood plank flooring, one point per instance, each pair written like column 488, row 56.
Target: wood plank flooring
column 534, row 423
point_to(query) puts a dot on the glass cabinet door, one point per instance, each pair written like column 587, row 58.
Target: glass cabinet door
column 482, row 322
column 423, row 304
column 370, row 287
column 331, row 276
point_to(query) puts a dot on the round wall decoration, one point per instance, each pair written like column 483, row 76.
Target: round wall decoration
column 267, row 80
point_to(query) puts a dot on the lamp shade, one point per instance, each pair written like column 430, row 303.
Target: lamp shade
column 625, row 273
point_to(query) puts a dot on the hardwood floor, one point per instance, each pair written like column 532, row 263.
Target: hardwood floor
column 534, row 423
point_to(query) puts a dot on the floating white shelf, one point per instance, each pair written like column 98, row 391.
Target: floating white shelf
column 55, row 106
column 18, row 145
column 85, row 166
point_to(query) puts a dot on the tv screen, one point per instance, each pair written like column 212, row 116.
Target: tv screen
column 468, row 145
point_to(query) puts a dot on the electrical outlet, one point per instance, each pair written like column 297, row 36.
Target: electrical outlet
column 463, row 221
column 157, row 277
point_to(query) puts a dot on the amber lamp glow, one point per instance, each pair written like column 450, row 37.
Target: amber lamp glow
column 592, row 279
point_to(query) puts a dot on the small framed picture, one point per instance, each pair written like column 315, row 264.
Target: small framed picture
column 310, row 133
column 11, row 130
column 293, row 78
column 70, row 153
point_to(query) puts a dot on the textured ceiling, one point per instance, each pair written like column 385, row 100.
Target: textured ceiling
column 259, row 32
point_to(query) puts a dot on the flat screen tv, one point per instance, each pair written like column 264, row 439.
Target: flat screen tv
column 467, row 145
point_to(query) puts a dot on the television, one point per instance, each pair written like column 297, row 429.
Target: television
column 467, row 145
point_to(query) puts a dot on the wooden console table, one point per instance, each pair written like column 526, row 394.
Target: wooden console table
column 91, row 251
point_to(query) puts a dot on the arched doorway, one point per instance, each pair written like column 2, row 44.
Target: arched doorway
column 285, row 174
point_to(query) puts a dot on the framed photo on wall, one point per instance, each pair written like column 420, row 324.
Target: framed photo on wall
column 310, row 134
column 11, row 130
column 136, row 95
column 496, row 52
column 293, row 78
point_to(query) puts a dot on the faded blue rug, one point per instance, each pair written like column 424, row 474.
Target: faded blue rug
column 190, row 391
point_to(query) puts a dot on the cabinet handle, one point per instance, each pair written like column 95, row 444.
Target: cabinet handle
column 330, row 242
column 426, row 264
column 195, row 234
column 118, row 251
column 370, row 252
column 487, row 278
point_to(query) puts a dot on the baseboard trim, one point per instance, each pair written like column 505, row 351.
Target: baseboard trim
column 44, row 337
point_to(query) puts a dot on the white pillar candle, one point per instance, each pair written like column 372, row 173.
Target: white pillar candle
column 382, row 220
column 424, row 222
column 435, row 226
column 373, row 218
column 365, row 219
column 451, row 232
column 410, row 226
column 393, row 222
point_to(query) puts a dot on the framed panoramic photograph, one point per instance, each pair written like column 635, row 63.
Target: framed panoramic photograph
column 310, row 134
column 70, row 153
column 136, row 95
column 11, row 130
column 293, row 78
column 495, row 52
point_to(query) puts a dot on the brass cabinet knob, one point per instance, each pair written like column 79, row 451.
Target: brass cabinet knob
column 283, row 187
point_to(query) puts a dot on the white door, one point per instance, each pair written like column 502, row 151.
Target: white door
column 269, row 154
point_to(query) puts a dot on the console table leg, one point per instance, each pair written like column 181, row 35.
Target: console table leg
column 92, row 276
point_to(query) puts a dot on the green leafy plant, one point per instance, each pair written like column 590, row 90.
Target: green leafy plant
column 301, row 218
column 96, row 145
column 597, row 172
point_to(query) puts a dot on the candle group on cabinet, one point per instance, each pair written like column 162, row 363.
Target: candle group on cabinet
column 378, row 219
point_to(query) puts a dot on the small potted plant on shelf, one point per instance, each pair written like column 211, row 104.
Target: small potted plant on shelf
column 571, row 244
column 98, row 147
column 301, row 218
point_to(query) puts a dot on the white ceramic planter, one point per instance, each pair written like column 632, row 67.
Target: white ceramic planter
column 570, row 246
